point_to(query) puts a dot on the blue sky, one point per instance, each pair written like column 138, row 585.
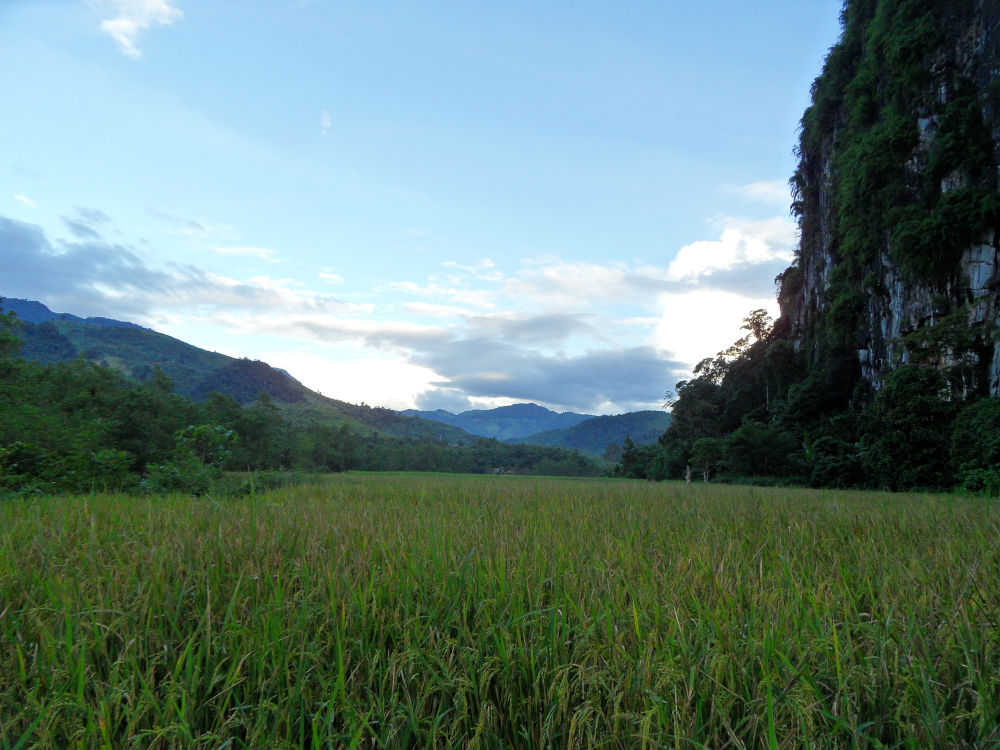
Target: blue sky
column 436, row 204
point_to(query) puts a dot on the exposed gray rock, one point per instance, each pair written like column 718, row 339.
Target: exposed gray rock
column 893, row 304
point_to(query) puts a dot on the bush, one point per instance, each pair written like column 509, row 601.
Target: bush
column 185, row 473
column 834, row 463
column 985, row 481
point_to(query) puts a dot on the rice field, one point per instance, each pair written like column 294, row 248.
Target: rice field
column 439, row 611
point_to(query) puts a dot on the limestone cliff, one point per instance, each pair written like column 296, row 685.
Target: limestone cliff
column 896, row 195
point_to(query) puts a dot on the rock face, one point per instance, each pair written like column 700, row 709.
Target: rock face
column 896, row 195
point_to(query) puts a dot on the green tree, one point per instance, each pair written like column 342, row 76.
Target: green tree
column 145, row 419
column 637, row 460
column 613, row 453
column 975, row 446
column 265, row 438
column 757, row 449
column 834, row 463
column 905, row 433
column 218, row 408
column 210, row 444
column 706, row 454
column 759, row 323
column 59, row 427
column 10, row 326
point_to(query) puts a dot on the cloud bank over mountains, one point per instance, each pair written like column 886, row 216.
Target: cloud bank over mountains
column 601, row 337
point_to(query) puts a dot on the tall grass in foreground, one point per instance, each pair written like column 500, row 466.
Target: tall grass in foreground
column 435, row 611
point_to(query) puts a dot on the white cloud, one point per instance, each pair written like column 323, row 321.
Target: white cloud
column 328, row 327
column 25, row 200
column 223, row 299
column 701, row 323
column 133, row 17
column 447, row 399
column 450, row 289
column 325, row 123
column 289, row 294
column 770, row 192
column 264, row 253
column 741, row 244
column 331, row 278
column 379, row 381
column 559, row 285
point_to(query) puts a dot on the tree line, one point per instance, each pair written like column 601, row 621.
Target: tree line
column 756, row 412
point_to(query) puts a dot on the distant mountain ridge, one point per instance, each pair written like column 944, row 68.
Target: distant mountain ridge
column 595, row 435
column 531, row 424
column 30, row 311
column 505, row 422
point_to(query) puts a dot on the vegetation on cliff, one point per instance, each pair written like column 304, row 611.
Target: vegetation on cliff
column 897, row 166
column 878, row 371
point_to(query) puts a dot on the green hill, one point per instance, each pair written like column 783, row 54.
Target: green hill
column 138, row 353
column 134, row 352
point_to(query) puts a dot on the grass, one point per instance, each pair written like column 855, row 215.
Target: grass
column 437, row 611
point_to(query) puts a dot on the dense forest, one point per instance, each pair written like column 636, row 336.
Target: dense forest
column 78, row 426
column 757, row 412
column 883, row 368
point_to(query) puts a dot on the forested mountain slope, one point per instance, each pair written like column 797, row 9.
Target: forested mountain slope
column 30, row 311
column 138, row 353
